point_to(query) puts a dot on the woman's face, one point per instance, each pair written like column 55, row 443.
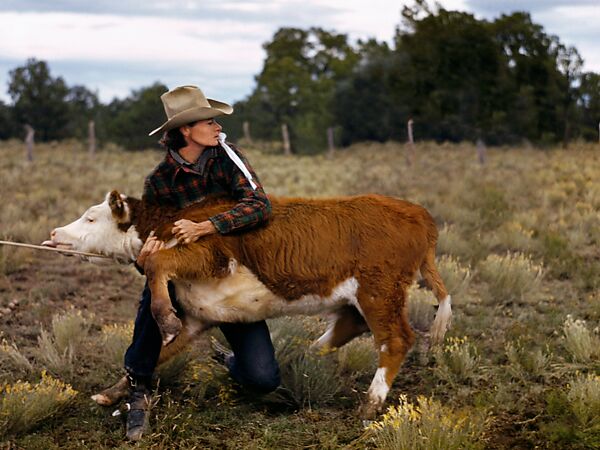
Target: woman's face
column 204, row 133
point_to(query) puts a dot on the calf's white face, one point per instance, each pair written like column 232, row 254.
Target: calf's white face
column 97, row 231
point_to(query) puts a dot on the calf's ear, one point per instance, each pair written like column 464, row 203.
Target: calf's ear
column 117, row 206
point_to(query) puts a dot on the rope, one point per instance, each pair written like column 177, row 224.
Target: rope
column 52, row 249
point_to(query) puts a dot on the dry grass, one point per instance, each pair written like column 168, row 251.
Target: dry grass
column 494, row 238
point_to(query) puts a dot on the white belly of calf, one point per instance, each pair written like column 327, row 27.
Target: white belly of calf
column 241, row 297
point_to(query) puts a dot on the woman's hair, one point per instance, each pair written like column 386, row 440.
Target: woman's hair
column 173, row 139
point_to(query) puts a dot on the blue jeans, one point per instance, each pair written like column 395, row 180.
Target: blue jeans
column 253, row 366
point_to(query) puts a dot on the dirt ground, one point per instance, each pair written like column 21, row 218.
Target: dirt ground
column 54, row 283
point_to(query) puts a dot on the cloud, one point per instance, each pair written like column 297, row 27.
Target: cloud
column 68, row 36
column 115, row 53
column 496, row 7
column 130, row 48
column 254, row 11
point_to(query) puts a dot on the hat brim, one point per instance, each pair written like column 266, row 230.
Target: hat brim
column 193, row 114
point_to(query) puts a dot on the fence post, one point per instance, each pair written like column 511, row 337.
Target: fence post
column 481, row 151
column 246, row 127
column 29, row 142
column 92, row 137
column 410, row 147
column 287, row 148
column 330, row 142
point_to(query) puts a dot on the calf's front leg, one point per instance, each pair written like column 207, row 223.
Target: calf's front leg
column 161, row 306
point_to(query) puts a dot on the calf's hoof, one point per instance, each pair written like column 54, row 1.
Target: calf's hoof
column 169, row 326
column 369, row 411
column 113, row 394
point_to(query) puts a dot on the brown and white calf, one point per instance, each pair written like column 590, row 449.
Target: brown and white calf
column 352, row 258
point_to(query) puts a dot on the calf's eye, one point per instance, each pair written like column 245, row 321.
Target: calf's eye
column 90, row 220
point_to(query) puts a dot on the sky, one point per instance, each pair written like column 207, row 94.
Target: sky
column 115, row 46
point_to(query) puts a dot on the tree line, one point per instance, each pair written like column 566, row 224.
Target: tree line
column 457, row 77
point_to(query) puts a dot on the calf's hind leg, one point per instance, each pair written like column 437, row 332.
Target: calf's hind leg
column 393, row 335
column 344, row 325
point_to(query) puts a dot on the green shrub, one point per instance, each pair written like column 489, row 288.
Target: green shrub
column 204, row 374
column 524, row 363
column 450, row 242
column 24, row 405
column 457, row 361
column 489, row 202
column 12, row 260
column 307, row 377
column 172, row 371
column 310, row 379
column 358, row 357
column 57, row 349
column 579, row 340
column 510, row 278
column 456, row 277
column 427, row 425
column 511, row 236
column 11, row 357
column 584, row 399
column 115, row 339
column 421, row 308
column 69, row 330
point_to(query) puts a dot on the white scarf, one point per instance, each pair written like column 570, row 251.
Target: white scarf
column 236, row 159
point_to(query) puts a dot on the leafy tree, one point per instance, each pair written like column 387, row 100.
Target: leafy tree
column 296, row 85
column 463, row 78
column 8, row 127
column 39, row 100
column 589, row 104
column 364, row 103
column 129, row 121
column 537, row 87
column 83, row 107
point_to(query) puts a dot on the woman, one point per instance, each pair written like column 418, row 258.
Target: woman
column 197, row 163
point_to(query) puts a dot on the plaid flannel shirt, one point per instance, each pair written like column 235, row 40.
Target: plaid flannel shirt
column 175, row 182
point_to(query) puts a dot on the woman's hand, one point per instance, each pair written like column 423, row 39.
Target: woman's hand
column 152, row 245
column 187, row 231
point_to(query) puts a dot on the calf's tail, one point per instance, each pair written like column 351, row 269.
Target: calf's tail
column 434, row 281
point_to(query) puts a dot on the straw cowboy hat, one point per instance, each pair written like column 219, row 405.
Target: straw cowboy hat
column 186, row 104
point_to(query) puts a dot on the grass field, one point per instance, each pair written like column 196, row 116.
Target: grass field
column 518, row 249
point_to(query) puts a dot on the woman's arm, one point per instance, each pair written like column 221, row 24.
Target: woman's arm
column 253, row 207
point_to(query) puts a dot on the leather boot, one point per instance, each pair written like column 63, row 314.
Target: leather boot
column 138, row 405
